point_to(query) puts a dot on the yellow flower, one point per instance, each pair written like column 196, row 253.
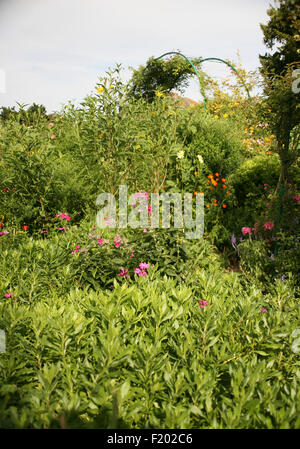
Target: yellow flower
column 111, row 86
column 159, row 94
column 67, row 106
column 225, row 115
column 100, row 135
column 100, row 90
column 137, row 147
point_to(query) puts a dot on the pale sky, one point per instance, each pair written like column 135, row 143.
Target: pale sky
column 53, row 51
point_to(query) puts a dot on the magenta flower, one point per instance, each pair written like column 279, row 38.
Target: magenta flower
column 144, row 266
column 43, row 232
column 8, row 295
column 296, row 198
column 117, row 241
column 123, row 273
column 4, row 233
column 100, row 241
column 5, row 190
column 64, row 216
column 149, row 209
column 140, row 272
column 263, row 310
column 61, row 229
column 203, row 303
column 76, row 250
column 246, row 231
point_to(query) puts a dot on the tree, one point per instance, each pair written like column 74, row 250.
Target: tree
column 161, row 75
column 27, row 117
column 282, row 33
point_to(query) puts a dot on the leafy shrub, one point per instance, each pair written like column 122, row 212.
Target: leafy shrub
column 140, row 338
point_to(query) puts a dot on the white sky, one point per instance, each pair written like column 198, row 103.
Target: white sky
column 53, row 51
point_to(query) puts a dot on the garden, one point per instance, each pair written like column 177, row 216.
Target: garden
column 120, row 327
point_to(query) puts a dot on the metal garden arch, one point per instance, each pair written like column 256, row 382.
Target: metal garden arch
column 197, row 73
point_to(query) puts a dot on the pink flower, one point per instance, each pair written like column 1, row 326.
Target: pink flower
column 246, row 231
column 43, row 232
column 268, row 225
column 94, row 227
column 51, row 124
column 61, row 229
column 4, row 233
column 100, row 241
column 117, row 241
column 123, row 273
column 64, row 216
column 149, row 209
column 144, row 231
column 5, row 190
column 8, row 295
column 76, row 250
column 296, row 198
column 131, row 255
column 143, row 266
column 263, row 310
column 140, row 272
column 53, row 136
column 268, row 204
column 203, row 303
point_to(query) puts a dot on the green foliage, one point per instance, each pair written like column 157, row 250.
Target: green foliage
column 189, row 344
column 282, row 34
column 161, row 76
column 27, row 116
column 119, row 359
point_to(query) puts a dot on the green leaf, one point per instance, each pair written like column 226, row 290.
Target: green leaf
column 296, row 346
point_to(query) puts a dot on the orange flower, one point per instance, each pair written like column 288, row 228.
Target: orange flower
column 223, row 180
column 195, row 173
column 210, row 176
column 195, row 193
column 224, row 187
column 25, row 228
column 207, row 205
column 224, row 206
column 216, row 174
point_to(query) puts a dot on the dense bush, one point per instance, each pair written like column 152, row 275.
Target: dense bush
column 147, row 356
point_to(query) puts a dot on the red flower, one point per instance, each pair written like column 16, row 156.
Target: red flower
column 268, row 225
